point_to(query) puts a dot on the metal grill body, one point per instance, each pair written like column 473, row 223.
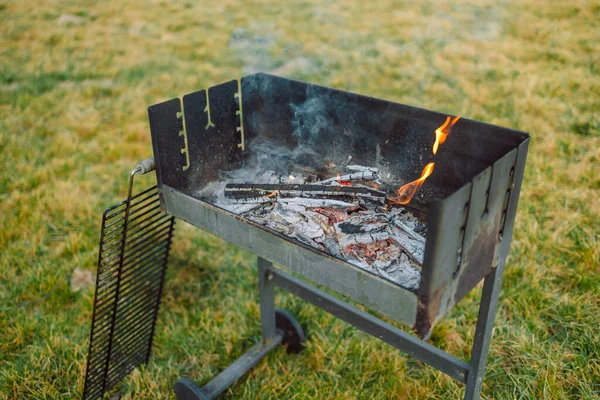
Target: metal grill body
column 469, row 205
column 469, row 202
column 134, row 248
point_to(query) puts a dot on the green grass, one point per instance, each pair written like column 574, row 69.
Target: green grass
column 75, row 81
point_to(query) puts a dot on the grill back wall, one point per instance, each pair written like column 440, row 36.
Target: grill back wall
column 471, row 198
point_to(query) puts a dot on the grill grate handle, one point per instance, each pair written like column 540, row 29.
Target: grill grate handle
column 129, row 285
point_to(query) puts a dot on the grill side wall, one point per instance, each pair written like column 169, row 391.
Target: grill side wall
column 469, row 234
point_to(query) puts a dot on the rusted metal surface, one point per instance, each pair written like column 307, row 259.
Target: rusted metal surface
column 466, row 232
column 479, row 255
column 442, row 251
column 513, row 201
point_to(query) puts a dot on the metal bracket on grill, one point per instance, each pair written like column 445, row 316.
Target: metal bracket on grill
column 240, row 115
column 134, row 249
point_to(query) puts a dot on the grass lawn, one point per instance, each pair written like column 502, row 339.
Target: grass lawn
column 75, row 81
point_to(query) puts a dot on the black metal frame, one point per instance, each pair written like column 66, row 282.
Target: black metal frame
column 134, row 247
column 269, row 278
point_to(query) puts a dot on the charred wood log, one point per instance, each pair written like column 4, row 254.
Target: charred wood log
column 405, row 228
column 360, row 168
column 239, row 192
column 415, row 249
column 294, row 201
column 318, row 203
column 356, row 176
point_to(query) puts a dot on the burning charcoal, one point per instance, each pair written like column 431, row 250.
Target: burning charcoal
column 403, row 215
column 318, row 203
column 396, row 267
column 252, row 200
column 403, row 273
column 387, row 254
column 346, row 240
column 238, row 208
column 357, row 176
column 292, row 207
column 305, row 240
column 368, row 216
column 348, row 222
column 295, row 178
column 361, row 168
column 381, row 264
column 414, row 248
column 333, row 215
column 285, row 214
column 332, row 246
column 407, row 229
column 421, row 229
column 309, row 228
column 263, row 209
column 319, row 219
column 301, row 174
column 358, row 261
column 361, row 222
column 279, row 227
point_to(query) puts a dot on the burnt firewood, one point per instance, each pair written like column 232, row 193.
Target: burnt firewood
column 356, row 176
column 415, row 249
column 404, row 227
column 332, row 247
column 317, row 203
column 239, row 208
column 243, row 191
column 360, row 168
column 293, row 201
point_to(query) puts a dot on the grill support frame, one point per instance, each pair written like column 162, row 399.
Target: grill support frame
column 270, row 277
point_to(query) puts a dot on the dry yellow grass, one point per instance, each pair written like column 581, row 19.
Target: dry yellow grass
column 75, row 81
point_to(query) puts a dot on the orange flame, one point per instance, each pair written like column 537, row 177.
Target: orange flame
column 406, row 192
column 443, row 131
column 290, row 179
column 272, row 194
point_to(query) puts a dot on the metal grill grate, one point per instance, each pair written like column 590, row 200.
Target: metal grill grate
column 134, row 248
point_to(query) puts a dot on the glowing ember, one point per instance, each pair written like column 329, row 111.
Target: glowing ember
column 443, row 131
column 406, row 192
column 343, row 183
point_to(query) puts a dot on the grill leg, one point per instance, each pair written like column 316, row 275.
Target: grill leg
column 278, row 327
column 483, row 332
column 266, row 291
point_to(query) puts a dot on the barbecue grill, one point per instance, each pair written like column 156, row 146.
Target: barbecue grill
column 468, row 205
